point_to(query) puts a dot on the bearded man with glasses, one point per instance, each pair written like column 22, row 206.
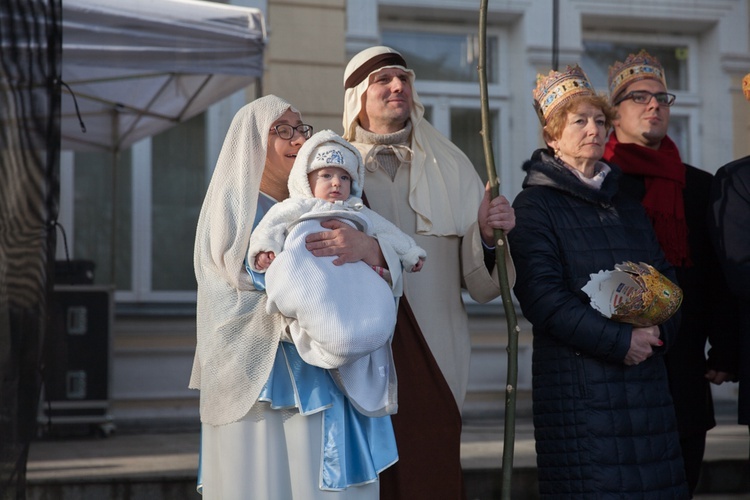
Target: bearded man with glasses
column 676, row 198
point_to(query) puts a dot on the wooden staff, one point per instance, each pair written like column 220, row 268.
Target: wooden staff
column 500, row 250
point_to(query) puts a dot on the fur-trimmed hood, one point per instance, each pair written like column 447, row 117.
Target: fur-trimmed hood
column 543, row 170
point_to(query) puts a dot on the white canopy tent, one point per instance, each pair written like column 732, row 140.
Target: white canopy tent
column 137, row 67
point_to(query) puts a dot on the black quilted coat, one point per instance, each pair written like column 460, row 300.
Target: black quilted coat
column 709, row 312
column 602, row 429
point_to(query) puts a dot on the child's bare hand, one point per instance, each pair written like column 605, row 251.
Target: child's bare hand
column 264, row 259
column 418, row 266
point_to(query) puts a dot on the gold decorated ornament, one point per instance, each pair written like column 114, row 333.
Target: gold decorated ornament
column 640, row 66
column 634, row 293
column 746, row 86
column 557, row 88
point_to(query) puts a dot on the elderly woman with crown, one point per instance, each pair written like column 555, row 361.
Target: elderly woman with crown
column 603, row 415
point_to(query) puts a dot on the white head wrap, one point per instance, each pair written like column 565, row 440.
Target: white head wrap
column 445, row 190
column 237, row 340
column 325, row 149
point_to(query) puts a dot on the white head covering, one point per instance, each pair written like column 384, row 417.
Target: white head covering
column 325, row 149
column 237, row 339
column 445, row 190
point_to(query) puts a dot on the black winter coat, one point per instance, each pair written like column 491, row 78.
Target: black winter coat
column 729, row 225
column 708, row 311
column 603, row 429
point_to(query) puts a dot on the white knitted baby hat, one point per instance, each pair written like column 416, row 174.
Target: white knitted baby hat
column 325, row 149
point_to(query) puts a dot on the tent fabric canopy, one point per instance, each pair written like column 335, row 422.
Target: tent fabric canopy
column 138, row 67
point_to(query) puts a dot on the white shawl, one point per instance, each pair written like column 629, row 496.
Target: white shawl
column 237, row 339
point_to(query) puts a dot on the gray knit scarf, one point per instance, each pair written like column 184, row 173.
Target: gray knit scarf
column 390, row 150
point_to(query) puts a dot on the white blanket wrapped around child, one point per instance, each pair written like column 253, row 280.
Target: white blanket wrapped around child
column 342, row 317
column 340, row 313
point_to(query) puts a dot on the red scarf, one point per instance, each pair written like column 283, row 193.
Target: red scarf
column 664, row 176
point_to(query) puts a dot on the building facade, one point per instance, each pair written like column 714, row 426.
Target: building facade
column 135, row 216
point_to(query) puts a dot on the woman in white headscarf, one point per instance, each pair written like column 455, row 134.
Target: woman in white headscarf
column 272, row 425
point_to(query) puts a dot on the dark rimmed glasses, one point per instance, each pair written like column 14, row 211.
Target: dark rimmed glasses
column 286, row 131
column 644, row 97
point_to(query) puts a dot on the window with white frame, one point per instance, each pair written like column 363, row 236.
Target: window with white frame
column 178, row 163
column 444, row 56
column 445, row 60
column 676, row 54
column 100, row 221
column 134, row 214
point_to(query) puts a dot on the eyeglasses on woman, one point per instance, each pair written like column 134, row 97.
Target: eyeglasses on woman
column 286, row 131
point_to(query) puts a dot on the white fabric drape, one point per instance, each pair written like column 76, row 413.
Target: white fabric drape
column 237, row 340
column 256, row 458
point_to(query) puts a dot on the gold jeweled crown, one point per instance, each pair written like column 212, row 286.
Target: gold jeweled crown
column 636, row 67
column 634, row 293
column 558, row 87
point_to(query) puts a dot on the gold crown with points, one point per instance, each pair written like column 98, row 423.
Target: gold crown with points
column 640, row 66
column 557, row 88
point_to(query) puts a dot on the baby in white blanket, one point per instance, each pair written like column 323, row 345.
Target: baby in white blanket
column 341, row 317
